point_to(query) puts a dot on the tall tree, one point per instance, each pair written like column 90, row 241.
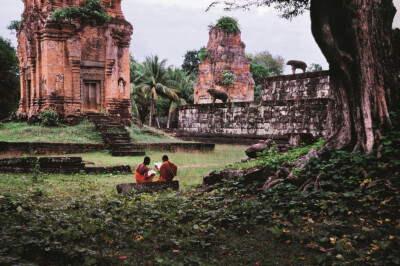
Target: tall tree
column 151, row 81
column 314, row 67
column 9, row 79
column 275, row 64
column 184, row 84
column 191, row 61
column 356, row 38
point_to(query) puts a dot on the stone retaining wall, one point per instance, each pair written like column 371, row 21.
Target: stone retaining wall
column 253, row 119
column 291, row 104
column 40, row 148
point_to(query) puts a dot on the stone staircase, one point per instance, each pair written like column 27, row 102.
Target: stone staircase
column 115, row 135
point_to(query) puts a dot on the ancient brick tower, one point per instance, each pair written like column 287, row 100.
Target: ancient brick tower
column 225, row 53
column 71, row 67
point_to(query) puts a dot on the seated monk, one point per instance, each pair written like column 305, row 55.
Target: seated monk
column 167, row 170
column 142, row 172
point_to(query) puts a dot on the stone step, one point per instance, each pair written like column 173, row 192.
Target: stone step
column 128, row 153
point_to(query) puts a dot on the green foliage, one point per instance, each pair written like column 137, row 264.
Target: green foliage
column 352, row 220
column 272, row 159
column 259, row 71
column 274, row 64
column 203, row 54
column 228, row 78
column 15, row 25
column 151, row 82
column 191, row 61
column 9, row 79
column 90, row 11
column 49, row 118
column 228, row 24
column 314, row 67
column 288, row 9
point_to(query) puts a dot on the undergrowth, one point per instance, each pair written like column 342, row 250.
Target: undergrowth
column 353, row 219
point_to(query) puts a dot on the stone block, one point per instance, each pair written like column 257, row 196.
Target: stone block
column 147, row 187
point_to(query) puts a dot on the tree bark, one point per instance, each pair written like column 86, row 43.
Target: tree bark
column 169, row 118
column 151, row 112
column 355, row 37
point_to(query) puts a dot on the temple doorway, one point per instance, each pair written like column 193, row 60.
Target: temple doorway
column 91, row 96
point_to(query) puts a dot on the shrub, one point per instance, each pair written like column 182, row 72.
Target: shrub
column 228, row 24
column 92, row 10
column 204, row 53
column 49, row 118
column 228, row 78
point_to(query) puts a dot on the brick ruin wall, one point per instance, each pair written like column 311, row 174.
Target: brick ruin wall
column 290, row 104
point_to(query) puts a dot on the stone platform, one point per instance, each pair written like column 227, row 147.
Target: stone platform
column 56, row 165
column 148, row 187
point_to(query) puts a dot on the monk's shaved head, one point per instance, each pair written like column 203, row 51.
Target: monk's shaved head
column 165, row 158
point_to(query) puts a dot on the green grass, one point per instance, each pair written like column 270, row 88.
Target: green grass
column 191, row 165
column 22, row 132
column 146, row 134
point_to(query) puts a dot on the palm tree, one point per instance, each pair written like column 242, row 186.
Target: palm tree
column 184, row 83
column 152, row 81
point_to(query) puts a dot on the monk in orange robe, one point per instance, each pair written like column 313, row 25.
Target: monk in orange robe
column 167, row 170
column 142, row 172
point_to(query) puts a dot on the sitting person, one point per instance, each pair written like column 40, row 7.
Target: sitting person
column 167, row 170
column 142, row 172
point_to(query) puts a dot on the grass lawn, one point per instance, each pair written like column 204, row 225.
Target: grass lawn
column 191, row 165
column 85, row 132
column 22, row 132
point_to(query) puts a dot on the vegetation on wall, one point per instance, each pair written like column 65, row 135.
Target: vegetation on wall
column 90, row 11
column 204, row 53
column 228, row 78
column 228, row 24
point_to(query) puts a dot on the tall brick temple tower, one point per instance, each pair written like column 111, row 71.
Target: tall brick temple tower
column 73, row 67
column 225, row 52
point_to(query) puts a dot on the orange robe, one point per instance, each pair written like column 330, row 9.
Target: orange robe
column 167, row 172
column 141, row 178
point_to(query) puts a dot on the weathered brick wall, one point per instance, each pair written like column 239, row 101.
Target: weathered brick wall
column 290, row 104
column 309, row 85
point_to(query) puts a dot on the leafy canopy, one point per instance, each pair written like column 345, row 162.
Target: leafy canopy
column 9, row 79
column 91, row 10
column 288, row 8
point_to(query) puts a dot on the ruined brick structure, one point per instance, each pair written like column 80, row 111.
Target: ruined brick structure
column 290, row 105
column 225, row 52
column 73, row 68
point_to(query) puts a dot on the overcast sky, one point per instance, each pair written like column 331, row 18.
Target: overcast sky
column 169, row 28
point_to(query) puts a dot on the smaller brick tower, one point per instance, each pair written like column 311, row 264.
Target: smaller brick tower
column 225, row 53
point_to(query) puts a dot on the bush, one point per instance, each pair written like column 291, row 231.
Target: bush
column 228, row 24
column 204, row 53
column 228, row 78
column 49, row 118
column 92, row 10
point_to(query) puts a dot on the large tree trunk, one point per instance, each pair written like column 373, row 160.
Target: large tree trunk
column 355, row 37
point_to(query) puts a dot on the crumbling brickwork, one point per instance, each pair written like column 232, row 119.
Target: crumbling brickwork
column 225, row 52
column 72, row 67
